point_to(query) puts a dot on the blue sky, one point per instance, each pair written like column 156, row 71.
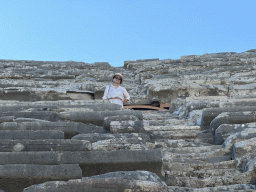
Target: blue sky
column 118, row 30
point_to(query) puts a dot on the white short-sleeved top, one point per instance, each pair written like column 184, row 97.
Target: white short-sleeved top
column 111, row 91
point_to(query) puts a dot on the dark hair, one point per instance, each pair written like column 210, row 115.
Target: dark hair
column 120, row 80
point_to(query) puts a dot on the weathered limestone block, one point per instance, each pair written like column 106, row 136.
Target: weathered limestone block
column 7, row 119
column 18, row 176
column 175, row 104
column 7, row 145
column 134, row 141
column 186, row 134
column 97, row 117
column 248, row 167
column 210, row 113
column 55, row 105
column 120, row 181
column 202, row 102
column 225, row 130
column 45, row 134
column 94, row 137
column 127, row 127
column 240, row 136
column 238, row 103
column 70, row 129
column 59, row 172
column 234, row 187
column 195, row 117
column 21, row 120
column 232, row 118
column 107, row 120
column 91, row 162
column 44, row 115
column 118, row 144
column 98, row 107
column 32, row 94
column 199, row 105
column 243, row 153
column 244, row 147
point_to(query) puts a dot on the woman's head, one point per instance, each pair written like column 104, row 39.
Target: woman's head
column 118, row 78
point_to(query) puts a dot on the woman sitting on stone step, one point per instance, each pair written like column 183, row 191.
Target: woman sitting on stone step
column 114, row 92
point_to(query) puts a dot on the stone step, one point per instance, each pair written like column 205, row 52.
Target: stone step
column 120, row 144
column 70, row 129
column 184, row 134
column 206, row 182
column 249, row 96
column 200, row 183
column 202, row 166
column 201, row 149
column 108, row 120
column 43, row 115
column 168, row 156
column 246, row 134
column 226, row 130
column 127, row 127
column 172, row 128
column 94, row 137
column 110, row 182
column 96, row 117
column 199, row 139
column 113, row 142
column 180, row 143
column 233, row 118
column 91, row 162
column 204, row 173
column 28, row 134
column 233, row 188
column 167, row 122
column 16, row 177
column 223, row 132
column 23, row 106
column 7, row 145
column 198, row 103
column 200, row 160
column 210, row 113
column 7, row 119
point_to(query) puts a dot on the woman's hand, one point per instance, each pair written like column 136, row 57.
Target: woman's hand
column 125, row 100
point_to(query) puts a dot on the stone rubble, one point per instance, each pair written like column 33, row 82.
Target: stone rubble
column 56, row 134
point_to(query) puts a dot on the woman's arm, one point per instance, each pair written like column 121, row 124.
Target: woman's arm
column 126, row 95
column 105, row 93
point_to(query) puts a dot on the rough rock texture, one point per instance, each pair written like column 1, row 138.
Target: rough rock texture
column 110, row 182
column 56, row 134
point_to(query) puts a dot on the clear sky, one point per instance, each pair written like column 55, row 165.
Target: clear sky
column 118, row 30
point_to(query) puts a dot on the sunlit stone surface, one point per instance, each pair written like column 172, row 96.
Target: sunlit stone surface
column 56, row 134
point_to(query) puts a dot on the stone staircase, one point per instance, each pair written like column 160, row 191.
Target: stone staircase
column 62, row 141
column 56, row 134
column 191, row 159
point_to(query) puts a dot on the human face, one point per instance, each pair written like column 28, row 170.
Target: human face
column 117, row 79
